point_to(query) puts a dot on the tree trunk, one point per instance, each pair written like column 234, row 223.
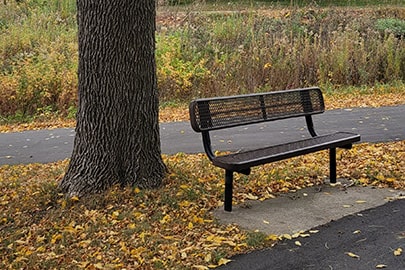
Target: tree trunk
column 117, row 133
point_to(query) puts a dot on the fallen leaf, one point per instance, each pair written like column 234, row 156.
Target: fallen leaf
column 56, row 238
column 380, row 266
column 200, row 267
column 223, row 261
column 360, row 201
column 298, row 243
column 272, row 237
column 398, row 252
column 352, row 255
column 286, row 236
column 251, row 197
column 99, row 266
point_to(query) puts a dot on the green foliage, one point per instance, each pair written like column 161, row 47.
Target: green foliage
column 256, row 239
column 392, row 26
column 178, row 72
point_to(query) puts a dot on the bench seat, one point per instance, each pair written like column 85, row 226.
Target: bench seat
column 241, row 161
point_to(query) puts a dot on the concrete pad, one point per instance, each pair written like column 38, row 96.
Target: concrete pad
column 305, row 209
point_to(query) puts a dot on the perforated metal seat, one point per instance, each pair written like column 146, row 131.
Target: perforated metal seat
column 244, row 160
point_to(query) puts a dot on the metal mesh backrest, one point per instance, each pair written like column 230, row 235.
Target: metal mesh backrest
column 223, row 112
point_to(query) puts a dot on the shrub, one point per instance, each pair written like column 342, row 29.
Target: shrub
column 178, row 74
column 391, row 26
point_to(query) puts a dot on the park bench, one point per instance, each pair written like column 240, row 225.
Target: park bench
column 208, row 114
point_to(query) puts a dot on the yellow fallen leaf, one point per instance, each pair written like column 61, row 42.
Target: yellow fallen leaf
column 296, row 235
column 361, row 201
column 357, row 232
column 165, row 219
column 83, row 264
column 69, row 229
column 352, row 255
column 56, row 238
column 251, row 197
column 287, row 236
column 41, row 249
column 230, row 243
column 266, row 222
column 380, row 266
column 99, row 266
column 200, row 267
column 272, row 237
column 223, row 261
column 298, row 243
column 347, row 206
column 380, row 177
column 390, row 180
column 398, row 252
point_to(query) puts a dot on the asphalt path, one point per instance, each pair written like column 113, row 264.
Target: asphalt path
column 370, row 237
column 373, row 124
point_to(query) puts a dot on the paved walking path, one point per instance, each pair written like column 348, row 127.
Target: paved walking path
column 348, row 220
column 374, row 125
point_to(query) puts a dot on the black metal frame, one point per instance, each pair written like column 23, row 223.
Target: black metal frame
column 225, row 112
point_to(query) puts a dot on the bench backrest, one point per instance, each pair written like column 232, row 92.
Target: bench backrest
column 223, row 112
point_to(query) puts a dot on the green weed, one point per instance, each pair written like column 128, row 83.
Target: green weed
column 256, row 239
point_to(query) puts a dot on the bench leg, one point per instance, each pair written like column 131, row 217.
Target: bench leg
column 332, row 163
column 228, row 190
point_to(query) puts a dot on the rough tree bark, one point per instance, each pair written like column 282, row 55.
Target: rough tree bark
column 117, row 133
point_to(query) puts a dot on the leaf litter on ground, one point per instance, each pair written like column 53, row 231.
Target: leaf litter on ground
column 168, row 228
